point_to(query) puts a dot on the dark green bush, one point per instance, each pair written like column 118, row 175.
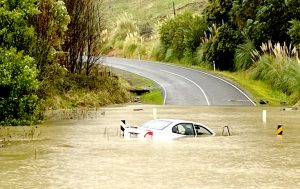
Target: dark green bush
column 145, row 29
column 294, row 32
column 19, row 103
column 181, row 34
column 220, row 49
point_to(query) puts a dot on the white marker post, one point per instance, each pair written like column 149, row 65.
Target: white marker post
column 154, row 113
column 264, row 116
column 214, row 64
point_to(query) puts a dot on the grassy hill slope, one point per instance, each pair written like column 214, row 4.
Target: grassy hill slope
column 152, row 10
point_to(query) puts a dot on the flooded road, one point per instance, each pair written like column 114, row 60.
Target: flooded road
column 88, row 153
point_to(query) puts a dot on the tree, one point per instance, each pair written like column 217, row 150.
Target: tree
column 50, row 26
column 182, row 34
column 84, row 37
column 294, row 32
column 242, row 11
column 218, row 11
column 220, row 49
column 15, row 29
column 18, row 84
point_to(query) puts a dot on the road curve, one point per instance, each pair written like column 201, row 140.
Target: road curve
column 185, row 86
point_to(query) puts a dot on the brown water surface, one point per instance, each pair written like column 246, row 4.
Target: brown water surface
column 88, row 153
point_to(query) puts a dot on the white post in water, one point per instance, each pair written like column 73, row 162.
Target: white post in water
column 264, row 116
column 154, row 113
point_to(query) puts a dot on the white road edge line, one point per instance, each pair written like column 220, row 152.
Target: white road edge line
column 203, row 92
column 165, row 93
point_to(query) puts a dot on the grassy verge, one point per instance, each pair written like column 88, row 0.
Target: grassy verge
column 153, row 97
column 134, row 81
column 258, row 89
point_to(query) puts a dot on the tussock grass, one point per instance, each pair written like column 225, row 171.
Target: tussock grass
column 124, row 26
column 279, row 67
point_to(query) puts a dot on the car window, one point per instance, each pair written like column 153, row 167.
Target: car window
column 200, row 130
column 156, row 124
column 184, row 129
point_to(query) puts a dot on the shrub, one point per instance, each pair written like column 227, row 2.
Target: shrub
column 18, row 86
column 182, row 34
column 243, row 56
column 219, row 48
column 145, row 29
column 62, row 89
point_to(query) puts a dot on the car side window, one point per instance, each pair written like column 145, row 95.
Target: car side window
column 184, row 129
column 200, row 130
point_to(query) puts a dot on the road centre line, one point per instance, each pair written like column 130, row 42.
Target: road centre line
column 203, row 92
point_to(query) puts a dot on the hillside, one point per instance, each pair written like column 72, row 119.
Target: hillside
column 147, row 10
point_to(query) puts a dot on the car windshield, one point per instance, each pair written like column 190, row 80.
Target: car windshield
column 156, row 124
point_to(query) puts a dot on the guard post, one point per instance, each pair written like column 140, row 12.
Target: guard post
column 279, row 130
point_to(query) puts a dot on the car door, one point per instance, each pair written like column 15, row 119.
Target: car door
column 184, row 129
column 202, row 130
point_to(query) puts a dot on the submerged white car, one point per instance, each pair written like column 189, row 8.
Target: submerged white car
column 166, row 129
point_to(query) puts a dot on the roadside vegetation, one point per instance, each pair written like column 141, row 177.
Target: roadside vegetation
column 255, row 43
column 48, row 48
column 142, row 89
column 47, row 53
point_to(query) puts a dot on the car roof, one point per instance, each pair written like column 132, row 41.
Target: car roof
column 175, row 121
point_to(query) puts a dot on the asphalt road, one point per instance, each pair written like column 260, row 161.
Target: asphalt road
column 185, row 86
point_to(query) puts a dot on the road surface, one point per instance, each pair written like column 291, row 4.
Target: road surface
column 185, row 86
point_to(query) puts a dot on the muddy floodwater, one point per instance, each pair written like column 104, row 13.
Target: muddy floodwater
column 86, row 151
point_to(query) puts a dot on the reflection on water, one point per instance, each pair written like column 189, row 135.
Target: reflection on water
column 89, row 153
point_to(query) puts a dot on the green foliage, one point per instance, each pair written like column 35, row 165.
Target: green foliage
column 220, row 49
column 15, row 30
column 181, row 34
column 18, row 85
column 272, row 22
column 145, row 29
column 242, row 11
column 293, row 9
column 218, row 11
column 50, row 26
column 243, row 55
column 294, row 32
